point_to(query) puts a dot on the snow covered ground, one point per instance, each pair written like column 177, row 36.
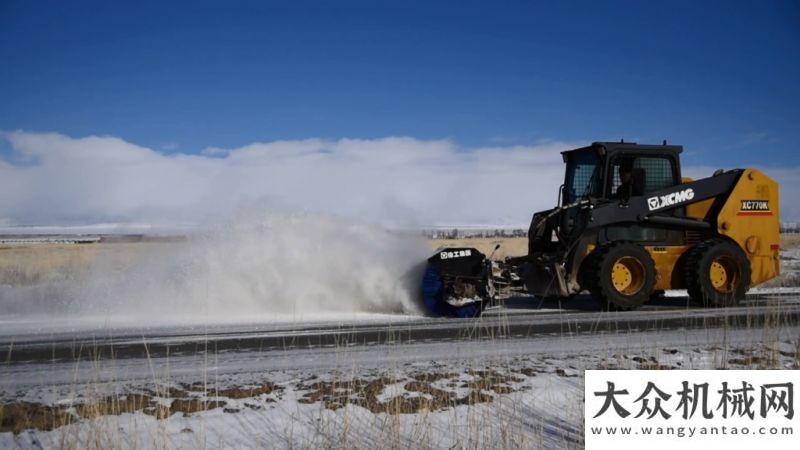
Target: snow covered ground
column 512, row 393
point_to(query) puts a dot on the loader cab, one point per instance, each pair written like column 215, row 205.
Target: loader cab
column 608, row 171
column 615, row 172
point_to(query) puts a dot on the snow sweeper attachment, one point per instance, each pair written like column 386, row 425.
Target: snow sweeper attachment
column 626, row 227
column 461, row 282
column 456, row 282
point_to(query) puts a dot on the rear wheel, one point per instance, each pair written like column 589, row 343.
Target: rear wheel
column 717, row 273
column 622, row 275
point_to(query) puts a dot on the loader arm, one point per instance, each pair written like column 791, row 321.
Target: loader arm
column 653, row 206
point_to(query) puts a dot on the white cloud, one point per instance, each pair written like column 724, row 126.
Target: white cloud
column 395, row 180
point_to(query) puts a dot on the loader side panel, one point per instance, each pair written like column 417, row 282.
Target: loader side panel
column 698, row 210
column 751, row 218
column 667, row 260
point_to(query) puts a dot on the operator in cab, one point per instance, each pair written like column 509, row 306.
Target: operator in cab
column 625, row 189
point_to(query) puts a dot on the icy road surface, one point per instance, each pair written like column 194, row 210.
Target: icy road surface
column 51, row 340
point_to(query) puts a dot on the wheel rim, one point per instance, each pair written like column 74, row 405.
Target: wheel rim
column 627, row 275
column 724, row 274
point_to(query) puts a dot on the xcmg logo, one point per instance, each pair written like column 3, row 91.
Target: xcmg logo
column 455, row 254
column 674, row 198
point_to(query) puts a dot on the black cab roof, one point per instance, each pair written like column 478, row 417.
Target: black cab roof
column 613, row 147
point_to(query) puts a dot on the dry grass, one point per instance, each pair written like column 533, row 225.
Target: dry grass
column 22, row 265
column 30, row 264
column 790, row 240
column 425, row 393
column 483, row 387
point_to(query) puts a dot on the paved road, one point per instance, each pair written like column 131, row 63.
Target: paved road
column 517, row 318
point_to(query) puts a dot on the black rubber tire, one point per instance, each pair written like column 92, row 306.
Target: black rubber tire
column 599, row 275
column 697, row 278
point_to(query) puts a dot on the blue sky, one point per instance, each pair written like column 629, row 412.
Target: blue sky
column 719, row 77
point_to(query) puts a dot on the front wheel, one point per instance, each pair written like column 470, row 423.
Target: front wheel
column 622, row 275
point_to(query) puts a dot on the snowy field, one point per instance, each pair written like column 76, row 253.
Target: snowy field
column 500, row 393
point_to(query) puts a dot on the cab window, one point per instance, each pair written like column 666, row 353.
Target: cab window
column 636, row 175
column 581, row 180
